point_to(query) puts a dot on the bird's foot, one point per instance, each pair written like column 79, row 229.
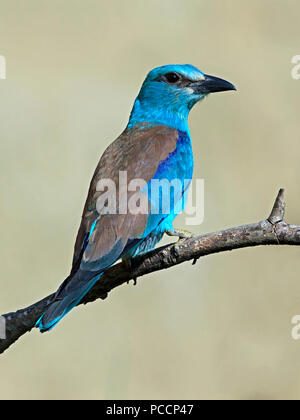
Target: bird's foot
column 181, row 234
column 128, row 266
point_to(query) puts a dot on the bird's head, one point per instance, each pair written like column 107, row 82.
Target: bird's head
column 170, row 92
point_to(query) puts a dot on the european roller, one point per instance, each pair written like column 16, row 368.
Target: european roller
column 155, row 145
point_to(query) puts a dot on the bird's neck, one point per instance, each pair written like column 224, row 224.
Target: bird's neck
column 159, row 114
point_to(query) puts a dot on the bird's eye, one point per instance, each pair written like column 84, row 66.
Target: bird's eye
column 172, row 77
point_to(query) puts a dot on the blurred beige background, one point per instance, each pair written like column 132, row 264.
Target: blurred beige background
column 221, row 329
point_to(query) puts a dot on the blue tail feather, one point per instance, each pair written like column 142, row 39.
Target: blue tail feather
column 64, row 304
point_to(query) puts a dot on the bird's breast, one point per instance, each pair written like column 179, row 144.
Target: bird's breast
column 179, row 164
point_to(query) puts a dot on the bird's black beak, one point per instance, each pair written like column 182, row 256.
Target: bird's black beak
column 211, row 84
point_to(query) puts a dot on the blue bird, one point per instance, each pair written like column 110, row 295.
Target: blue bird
column 155, row 146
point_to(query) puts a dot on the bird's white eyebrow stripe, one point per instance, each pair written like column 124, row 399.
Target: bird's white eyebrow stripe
column 194, row 77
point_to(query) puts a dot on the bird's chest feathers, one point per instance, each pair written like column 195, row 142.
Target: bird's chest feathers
column 179, row 164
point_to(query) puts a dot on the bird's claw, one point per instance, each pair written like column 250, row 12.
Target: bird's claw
column 128, row 265
column 181, row 234
column 195, row 260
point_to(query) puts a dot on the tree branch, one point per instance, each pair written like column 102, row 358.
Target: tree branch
column 272, row 231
